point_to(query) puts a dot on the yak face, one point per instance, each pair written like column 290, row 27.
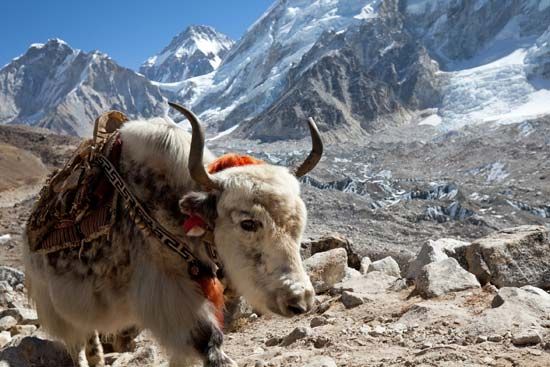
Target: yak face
column 259, row 219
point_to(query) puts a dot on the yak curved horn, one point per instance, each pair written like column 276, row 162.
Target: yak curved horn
column 316, row 150
column 196, row 166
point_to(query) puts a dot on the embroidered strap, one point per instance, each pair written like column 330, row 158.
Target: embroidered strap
column 149, row 224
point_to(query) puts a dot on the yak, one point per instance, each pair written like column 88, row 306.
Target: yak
column 131, row 279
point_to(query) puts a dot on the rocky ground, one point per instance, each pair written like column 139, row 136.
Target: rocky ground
column 434, row 302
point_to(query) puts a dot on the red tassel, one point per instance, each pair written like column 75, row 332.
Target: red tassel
column 213, row 291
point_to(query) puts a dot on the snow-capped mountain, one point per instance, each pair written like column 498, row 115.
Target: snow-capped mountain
column 196, row 51
column 357, row 65
column 254, row 74
column 63, row 89
column 352, row 81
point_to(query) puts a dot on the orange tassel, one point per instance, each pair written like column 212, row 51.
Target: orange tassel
column 232, row 160
column 213, row 291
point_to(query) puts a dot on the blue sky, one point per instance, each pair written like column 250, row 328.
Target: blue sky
column 128, row 30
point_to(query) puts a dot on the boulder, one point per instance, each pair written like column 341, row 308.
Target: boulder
column 439, row 278
column 24, row 316
column 514, row 310
column 512, row 257
column 330, row 242
column 32, row 351
column 435, row 251
column 386, row 265
column 326, row 268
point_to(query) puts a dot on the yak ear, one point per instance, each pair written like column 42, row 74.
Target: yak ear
column 202, row 204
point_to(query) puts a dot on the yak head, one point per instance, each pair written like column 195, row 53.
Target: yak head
column 258, row 219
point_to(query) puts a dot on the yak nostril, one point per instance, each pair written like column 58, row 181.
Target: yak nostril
column 296, row 309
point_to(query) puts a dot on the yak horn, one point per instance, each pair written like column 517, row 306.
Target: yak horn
column 196, row 166
column 316, row 151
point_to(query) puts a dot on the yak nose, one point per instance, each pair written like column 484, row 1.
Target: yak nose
column 300, row 303
column 297, row 308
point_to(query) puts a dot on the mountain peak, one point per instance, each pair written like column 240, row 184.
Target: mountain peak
column 198, row 50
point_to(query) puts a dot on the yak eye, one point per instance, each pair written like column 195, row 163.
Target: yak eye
column 250, row 225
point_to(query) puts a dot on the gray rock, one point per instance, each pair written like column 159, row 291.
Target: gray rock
column 526, row 337
column 365, row 263
column 495, row 338
column 144, row 356
column 326, row 268
column 386, row 265
column 351, row 273
column 11, row 275
column 32, row 351
column 320, row 361
column 527, row 298
column 352, row 299
column 373, row 283
column 434, row 251
column 7, row 322
column 513, row 310
column 24, row 316
column 442, row 277
column 295, row 335
column 273, row 341
column 330, row 242
column 512, row 257
column 318, row 321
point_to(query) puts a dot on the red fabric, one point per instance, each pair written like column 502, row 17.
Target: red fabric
column 213, row 291
column 193, row 221
column 232, row 160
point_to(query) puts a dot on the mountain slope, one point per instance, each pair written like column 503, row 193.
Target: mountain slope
column 196, row 51
column 353, row 81
column 62, row 89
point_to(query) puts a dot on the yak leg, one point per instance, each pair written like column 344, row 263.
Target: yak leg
column 78, row 355
column 94, row 351
column 207, row 340
column 124, row 340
